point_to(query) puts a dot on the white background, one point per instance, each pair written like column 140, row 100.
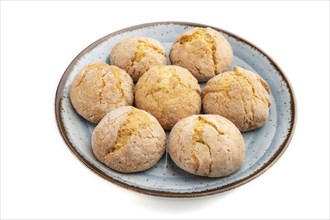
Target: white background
column 41, row 178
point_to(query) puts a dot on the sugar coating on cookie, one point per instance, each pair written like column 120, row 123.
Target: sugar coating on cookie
column 99, row 88
column 239, row 95
column 206, row 145
column 136, row 55
column 203, row 51
column 128, row 140
column 169, row 93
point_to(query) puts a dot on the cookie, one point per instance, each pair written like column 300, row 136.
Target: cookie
column 239, row 95
column 169, row 93
column 100, row 88
column 128, row 140
column 136, row 55
column 206, row 145
column 203, row 51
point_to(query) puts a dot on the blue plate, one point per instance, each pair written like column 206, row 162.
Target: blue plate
column 264, row 145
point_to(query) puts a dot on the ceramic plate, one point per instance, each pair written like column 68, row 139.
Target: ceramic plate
column 264, row 145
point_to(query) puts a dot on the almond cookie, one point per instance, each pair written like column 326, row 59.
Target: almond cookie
column 203, row 51
column 100, row 88
column 128, row 140
column 169, row 93
column 137, row 55
column 206, row 145
column 239, row 95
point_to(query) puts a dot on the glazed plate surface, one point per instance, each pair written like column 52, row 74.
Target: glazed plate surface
column 264, row 145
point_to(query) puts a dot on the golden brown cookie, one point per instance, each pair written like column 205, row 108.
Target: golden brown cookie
column 169, row 93
column 128, row 140
column 206, row 145
column 203, row 51
column 239, row 95
column 100, row 88
column 137, row 55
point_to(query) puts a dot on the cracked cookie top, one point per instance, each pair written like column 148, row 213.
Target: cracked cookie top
column 136, row 55
column 128, row 140
column 169, row 93
column 99, row 88
column 239, row 95
column 206, row 145
column 203, row 51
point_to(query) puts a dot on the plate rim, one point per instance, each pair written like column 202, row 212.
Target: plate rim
column 159, row 193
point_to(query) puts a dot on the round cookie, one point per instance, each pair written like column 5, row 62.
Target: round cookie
column 203, row 51
column 137, row 55
column 128, row 140
column 206, row 145
column 169, row 93
column 239, row 95
column 99, row 88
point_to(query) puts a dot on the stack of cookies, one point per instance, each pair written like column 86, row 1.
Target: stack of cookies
column 169, row 97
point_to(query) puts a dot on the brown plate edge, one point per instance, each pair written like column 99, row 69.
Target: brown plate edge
column 224, row 188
